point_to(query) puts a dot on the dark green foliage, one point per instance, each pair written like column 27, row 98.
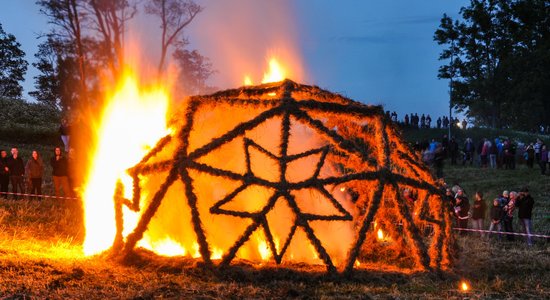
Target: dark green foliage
column 195, row 70
column 13, row 66
column 57, row 84
column 498, row 53
column 24, row 122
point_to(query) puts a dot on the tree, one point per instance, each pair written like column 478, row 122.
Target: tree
column 46, row 83
column 110, row 18
column 55, row 85
column 501, row 51
column 195, row 69
column 13, row 66
column 67, row 41
column 174, row 16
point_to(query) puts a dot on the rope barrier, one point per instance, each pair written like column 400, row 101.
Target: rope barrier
column 503, row 232
column 38, row 195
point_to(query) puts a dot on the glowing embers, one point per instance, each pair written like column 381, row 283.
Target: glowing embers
column 300, row 179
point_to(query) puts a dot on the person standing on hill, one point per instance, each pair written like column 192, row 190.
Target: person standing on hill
column 4, row 173
column 493, row 152
column 406, row 120
column 35, row 171
column 16, row 167
column 507, row 155
column 60, row 173
column 450, row 198
column 469, row 150
column 530, row 150
column 439, row 156
column 543, row 159
column 525, row 208
column 445, row 122
column 394, row 116
column 428, row 121
column 453, row 150
column 478, row 213
column 484, row 153
column 64, row 132
column 537, row 147
column 462, row 209
column 497, row 214
column 509, row 215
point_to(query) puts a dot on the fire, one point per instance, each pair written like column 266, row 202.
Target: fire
column 464, row 286
column 165, row 247
column 247, row 80
column 263, row 249
column 131, row 123
column 288, row 155
column 275, row 73
column 380, row 234
column 216, row 253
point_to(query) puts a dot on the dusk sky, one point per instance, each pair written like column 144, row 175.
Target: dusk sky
column 376, row 52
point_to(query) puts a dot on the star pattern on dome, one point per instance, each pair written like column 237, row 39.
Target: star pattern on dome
column 281, row 190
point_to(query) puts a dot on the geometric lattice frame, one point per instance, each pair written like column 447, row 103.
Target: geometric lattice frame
column 366, row 146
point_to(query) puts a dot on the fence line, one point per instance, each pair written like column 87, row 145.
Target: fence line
column 38, row 195
column 503, row 232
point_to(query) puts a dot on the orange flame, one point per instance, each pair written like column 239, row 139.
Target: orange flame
column 165, row 247
column 464, row 286
column 380, row 234
column 132, row 122
column 275, row 73
column 247, row 80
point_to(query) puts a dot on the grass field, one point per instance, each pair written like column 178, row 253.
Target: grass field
column 40, row 257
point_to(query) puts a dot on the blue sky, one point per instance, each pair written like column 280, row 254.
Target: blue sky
column 378, row 52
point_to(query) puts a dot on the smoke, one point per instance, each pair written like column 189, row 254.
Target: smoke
column 240, row 36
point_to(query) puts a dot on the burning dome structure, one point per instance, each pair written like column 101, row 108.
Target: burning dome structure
column 285, row 172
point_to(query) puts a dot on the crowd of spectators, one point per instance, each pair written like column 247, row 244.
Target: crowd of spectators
column 27, row 177
column 501, row 213
column 497, row 153
column 425, row 121
column 413, row 120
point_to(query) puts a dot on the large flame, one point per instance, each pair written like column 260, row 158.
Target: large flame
column 275, row 73
column 132, row 122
